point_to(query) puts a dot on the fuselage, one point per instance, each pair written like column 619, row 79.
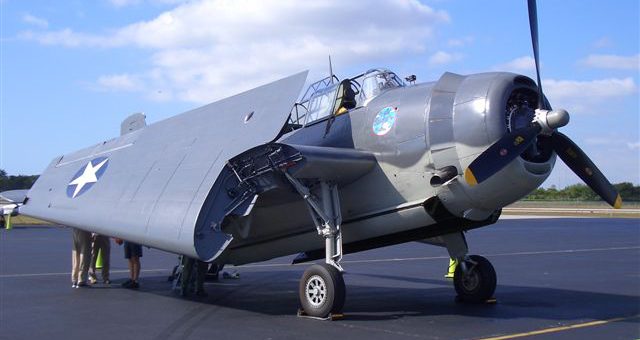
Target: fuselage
column 171, row 185
column 435, row 131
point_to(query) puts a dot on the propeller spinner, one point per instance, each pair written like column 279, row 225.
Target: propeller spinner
column 545, row 122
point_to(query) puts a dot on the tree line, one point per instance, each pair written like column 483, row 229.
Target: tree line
column 581, row 192
column 10, row 182
column 576, row 192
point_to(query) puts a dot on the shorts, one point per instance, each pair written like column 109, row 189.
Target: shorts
column 132, row 250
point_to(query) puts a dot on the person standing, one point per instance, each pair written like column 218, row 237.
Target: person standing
column 453, row 263
column 100, row 247
column 80, row 258
column 133, row 253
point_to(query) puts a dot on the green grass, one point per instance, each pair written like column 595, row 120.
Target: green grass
column 570, row 204
column 17, row 221
column 581, row 208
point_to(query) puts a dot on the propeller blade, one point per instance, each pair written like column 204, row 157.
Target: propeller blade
column 533, row 26
column 501, row 153
column 582, row 166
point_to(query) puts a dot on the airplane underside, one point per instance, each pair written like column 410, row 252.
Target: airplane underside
column 279, row 190
column 384, row 228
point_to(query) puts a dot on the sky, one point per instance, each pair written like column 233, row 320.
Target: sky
column 71, row 71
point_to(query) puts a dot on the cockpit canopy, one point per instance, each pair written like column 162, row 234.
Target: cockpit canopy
column 331, row 96
column 376, row 81
column 321, row 103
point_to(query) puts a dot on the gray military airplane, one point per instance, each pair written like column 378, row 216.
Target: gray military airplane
column 355, row 164
column 10, row 201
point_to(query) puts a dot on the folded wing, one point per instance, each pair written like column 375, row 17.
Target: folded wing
column 150, row 184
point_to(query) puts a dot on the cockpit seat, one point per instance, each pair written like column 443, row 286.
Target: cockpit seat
column 346, row 99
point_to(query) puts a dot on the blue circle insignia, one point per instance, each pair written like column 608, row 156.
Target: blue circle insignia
column 87, row 176
column 384, row 121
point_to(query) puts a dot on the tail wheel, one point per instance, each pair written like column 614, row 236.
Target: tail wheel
column 322, row 290
column 479, row 283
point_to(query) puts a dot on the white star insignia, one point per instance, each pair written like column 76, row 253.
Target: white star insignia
column 88, row 176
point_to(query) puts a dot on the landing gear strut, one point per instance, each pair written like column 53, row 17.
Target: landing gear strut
column 322, row 290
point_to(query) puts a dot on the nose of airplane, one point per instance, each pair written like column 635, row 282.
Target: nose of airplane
column 483, row 109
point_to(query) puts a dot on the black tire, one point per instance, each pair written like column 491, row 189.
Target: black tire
column 480, row 282
column 322, row 290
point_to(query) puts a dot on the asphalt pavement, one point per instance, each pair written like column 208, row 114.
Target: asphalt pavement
column 564, row 278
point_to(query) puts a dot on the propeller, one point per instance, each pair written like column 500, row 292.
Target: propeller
column 545, row 122
column 582, row 166
column 533, row 27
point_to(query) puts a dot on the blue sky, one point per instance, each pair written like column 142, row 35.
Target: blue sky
column 72, row 70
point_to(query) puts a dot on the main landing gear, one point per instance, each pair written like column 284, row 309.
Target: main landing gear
column 478, row 283
column 474, row 279
column 322, row 290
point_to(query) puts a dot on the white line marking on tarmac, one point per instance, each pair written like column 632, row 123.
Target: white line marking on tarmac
column 426, row 258
column 69, row 273
column 538, row 217
column 566, row 251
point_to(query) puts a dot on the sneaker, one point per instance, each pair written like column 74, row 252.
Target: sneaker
column 231, row 275
column 134, row 285
column 74, row 284
column 127, row 284
column 107, row 282
column 92, row 281
column 82, row 285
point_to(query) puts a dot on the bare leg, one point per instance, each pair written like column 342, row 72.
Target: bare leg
column 136, row 268
column 131, row 269
column 75, row 266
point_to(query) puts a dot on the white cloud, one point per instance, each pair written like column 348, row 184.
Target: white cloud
column 601, row 141
column 611, row 140
column 443, row 58
column 521, row 64
column 210, row 49
column 610, row 61
column 602, row 88
column 65, row 37
column 461, row 42
column 602, row 43
column 35, row 21
column 119, row 82
column 123, row 3
column 581, row 96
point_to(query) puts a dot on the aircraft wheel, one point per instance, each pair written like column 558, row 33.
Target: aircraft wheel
column 479, row 284
column 322, row 290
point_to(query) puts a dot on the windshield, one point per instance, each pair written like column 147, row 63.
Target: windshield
column 321, row 103
column 376, row 81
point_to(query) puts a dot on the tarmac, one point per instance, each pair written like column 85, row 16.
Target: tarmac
column 558, row 278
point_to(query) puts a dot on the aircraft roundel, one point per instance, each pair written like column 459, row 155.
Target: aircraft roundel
column 87, row 176
column 384, row 121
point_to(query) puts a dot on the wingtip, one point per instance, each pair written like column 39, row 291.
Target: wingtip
column 618, row 203
column 470, row 177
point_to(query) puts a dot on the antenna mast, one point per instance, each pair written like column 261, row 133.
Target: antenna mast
column 330, row 69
